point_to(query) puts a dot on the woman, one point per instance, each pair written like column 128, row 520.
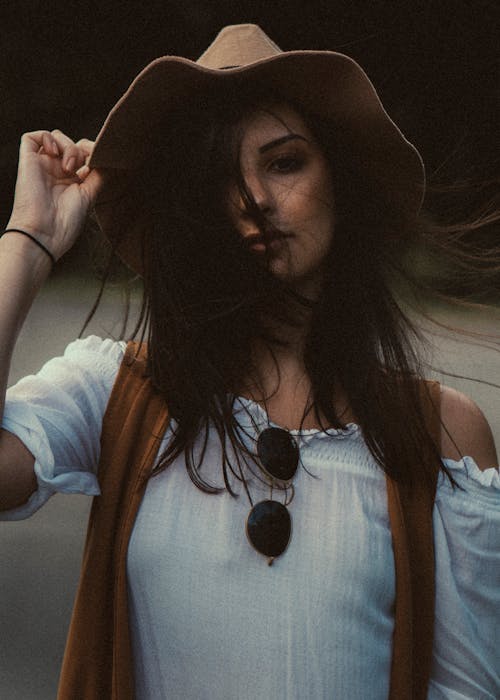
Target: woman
column 267, row 200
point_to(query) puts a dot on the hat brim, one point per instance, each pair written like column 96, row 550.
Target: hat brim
column 326, row 83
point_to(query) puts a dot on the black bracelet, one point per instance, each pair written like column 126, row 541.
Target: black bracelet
column 35, row 240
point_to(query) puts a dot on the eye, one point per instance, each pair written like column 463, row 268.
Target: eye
column 286, row 164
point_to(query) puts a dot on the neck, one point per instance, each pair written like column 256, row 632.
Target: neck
column 283, row 387
column 279, row 367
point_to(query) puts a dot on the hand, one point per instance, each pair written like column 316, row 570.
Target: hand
column 55, row 188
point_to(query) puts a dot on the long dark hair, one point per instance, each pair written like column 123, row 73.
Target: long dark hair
column 206, row 301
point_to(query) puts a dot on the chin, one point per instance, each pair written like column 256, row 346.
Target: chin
column 306, row 285
column 281, row 270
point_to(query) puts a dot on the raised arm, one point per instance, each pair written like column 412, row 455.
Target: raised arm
column 54, row 191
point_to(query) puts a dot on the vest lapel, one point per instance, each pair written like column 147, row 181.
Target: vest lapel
column 410, row 514
column 98, row 661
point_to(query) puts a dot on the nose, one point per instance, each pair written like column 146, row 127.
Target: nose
column 259, row 192
column 250, row 204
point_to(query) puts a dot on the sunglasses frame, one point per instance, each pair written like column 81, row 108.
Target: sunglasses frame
column 269, row 524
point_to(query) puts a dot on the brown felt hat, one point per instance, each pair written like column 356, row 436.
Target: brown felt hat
column 242, row 57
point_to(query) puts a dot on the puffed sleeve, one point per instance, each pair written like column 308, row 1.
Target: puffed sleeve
column 58, row 414
column 466, row 663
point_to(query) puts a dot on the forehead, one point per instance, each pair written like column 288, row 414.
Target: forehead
column 269, row 122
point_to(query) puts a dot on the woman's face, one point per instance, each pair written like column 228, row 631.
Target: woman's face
column 289, row 180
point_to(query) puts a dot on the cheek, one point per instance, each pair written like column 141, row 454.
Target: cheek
column 313, row 202
column 321, row 211
column 321, row 197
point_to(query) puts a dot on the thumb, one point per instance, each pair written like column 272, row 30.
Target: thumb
column 92, row 181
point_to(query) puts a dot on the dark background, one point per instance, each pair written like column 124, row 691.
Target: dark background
column 435, row 64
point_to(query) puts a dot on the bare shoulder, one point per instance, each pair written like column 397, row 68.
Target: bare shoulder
column 465, row 430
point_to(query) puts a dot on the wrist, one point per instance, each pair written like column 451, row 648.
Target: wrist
column 34, row 237
column 32, row 227
column 21, row 250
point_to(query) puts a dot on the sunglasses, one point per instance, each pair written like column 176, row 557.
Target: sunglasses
column 269, row 525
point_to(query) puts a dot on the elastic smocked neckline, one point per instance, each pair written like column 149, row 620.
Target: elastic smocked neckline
column 258, row 417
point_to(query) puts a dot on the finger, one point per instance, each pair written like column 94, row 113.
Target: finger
column 33, row 141
column 61, row 138
column 83, row 172
column 87, row 146
column 72, row 157
column 49, row 146
column 92, row 184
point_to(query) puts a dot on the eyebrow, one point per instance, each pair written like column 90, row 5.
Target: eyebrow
column 278, row 142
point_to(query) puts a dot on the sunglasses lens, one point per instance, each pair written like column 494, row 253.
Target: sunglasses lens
column 269, row 527
column 278, row 453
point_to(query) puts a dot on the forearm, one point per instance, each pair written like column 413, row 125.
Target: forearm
column 54, row 191
column 23, row 269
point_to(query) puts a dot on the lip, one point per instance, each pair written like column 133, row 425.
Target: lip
column 259, row 242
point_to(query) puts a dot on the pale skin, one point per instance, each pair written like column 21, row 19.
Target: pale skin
column 290, row 181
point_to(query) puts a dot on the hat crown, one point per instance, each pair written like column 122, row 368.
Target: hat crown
column 238, row 45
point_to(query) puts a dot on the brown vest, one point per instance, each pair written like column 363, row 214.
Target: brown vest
column 98, row 661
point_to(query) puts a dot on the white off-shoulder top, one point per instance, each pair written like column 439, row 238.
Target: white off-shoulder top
column 210, row 619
